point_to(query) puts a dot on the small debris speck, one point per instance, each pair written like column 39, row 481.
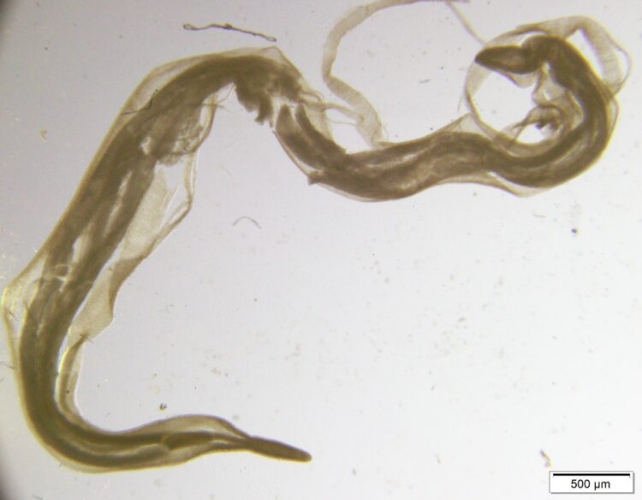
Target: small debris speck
column 547, row 459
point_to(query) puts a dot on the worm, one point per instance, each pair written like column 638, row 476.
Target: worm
column 126, row 205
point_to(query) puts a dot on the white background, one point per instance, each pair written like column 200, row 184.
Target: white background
column 423, row 348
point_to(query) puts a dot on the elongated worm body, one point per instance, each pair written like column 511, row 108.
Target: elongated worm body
column 125, row 205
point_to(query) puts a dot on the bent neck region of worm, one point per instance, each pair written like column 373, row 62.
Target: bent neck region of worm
column 125, row 205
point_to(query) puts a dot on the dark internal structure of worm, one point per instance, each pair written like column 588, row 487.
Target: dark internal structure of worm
column 127, row 204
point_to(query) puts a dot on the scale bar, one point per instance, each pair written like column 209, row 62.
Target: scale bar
column 579, row 482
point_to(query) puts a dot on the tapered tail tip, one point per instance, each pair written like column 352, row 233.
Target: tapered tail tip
column 276, row 449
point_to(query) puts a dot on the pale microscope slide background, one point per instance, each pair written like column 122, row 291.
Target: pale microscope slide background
column 430, row 347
